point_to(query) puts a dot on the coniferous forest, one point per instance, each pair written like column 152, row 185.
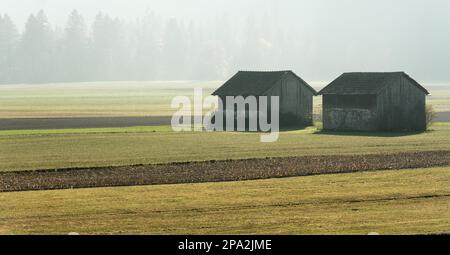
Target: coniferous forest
column 149, row 48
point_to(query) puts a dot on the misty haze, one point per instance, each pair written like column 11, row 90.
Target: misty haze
column 224, row 117
column 76, row 41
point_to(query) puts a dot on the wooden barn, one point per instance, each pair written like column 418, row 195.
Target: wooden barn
column 374, row 102
column 295, row 95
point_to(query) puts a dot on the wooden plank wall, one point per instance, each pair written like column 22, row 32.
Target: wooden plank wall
column 401, row 107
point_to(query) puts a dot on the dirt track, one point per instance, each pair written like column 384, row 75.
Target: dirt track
column 214, row 171
column 442, row 117
column 88, row 122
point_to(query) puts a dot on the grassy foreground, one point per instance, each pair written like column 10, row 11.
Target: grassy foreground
column 47, row 149
column 388, row 202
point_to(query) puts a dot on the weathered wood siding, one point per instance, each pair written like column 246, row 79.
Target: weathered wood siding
column 401, row 107
column 295, row 98
column 349, row 112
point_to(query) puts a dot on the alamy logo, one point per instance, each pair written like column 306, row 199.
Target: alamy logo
column 250, row 113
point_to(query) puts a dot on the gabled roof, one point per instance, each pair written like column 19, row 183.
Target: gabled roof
column 365, row 83
column 246, row 83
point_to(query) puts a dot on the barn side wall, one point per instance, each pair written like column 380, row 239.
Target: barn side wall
column 296, row 99
column 401, row 107
column 349, row 112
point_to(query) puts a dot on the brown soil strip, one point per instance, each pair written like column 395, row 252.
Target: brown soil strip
column 216, row 171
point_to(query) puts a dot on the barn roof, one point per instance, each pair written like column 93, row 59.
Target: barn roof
column 246, row 83
column 365, row 83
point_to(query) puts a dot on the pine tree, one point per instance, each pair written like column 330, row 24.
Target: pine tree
column 148, row 48
column 174, row 51
column 8, row 48
column 74, row 61
column 109, row 53
column 37, row 50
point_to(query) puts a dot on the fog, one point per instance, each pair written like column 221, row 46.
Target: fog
column 212, row 39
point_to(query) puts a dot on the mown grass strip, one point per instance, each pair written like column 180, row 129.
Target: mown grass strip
column 387, row 202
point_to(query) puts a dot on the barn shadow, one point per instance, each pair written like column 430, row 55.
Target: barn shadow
column 369, row 134
column 281, row 129
column 294, row 128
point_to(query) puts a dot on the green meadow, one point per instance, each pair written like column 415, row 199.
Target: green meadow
column 48, row 149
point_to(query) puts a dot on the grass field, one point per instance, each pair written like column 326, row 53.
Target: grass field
column 440, row 98
column 95, row 99
column 388, row 202
column 47, row 149
column 123, row 98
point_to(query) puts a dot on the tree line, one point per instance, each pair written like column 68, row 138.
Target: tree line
column 149, row 48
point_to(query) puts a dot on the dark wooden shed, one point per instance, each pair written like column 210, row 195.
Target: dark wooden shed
column 374, row 102
column 295, row 95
